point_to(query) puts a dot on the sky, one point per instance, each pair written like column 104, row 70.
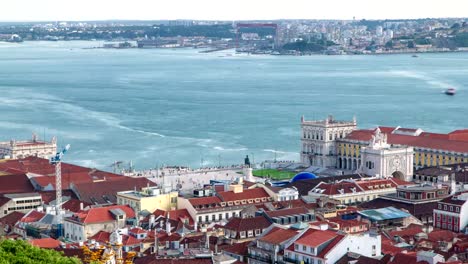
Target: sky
column 68, row 10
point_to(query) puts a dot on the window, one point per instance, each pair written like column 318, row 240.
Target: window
column 304, row 248
column 457, row 209
column 200, row 219
column 440, row 206
column 213, row 217
column 220, row 216
column 207, row 218
column 227, row 215
column 445, row 207
column 451, row 208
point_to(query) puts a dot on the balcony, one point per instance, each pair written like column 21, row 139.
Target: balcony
column 290, row 260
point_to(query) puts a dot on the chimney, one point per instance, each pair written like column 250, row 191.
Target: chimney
column 81, row 206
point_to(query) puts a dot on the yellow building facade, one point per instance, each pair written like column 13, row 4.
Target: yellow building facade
column 149, row 199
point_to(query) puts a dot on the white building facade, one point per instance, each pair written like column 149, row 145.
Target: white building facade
column 30, row 148
column 381, row 159
column 318, row 140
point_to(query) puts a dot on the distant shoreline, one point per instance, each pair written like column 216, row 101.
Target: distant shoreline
column 246, row 53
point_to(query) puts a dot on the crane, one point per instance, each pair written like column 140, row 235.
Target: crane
column 57, row 160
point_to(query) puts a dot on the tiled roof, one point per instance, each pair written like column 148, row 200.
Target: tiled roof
column 335, row 188
column 453, row 200
column 424, row 140
column 231, row 196
column 11, row 218
column 49, row 196
column 347, row 223
column 245, row 224
column 106, row 191
column 45, row 242
column 32, row 216
column 176, row 215
column 137, row 230
column 315, row 238
column 102, row 214
column 305, row 186
column 405, row 258
column 278, row 235
column 441, row 235
column 74, row 205
column 204, row 201
column 388, row 248
column 16, row 183
column 287, row 211
column 408, row 232
column 330, row 246
column 4, row 200
column 240, row 249
column 101, row 237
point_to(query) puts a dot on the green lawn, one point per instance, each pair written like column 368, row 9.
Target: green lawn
column 274, row 174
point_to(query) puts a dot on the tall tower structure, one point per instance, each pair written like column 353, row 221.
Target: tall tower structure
column 57, row 161
column 318, row 140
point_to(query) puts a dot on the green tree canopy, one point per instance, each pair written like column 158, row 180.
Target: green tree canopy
column 20, row 252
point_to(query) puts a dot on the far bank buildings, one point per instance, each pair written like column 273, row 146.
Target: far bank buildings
column 382, row 151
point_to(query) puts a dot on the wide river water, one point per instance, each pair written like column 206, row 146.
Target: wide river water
column 182, row 107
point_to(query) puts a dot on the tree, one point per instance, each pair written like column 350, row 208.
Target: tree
column 411, row 44
column 20, row 252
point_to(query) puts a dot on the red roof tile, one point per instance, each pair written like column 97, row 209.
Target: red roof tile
column 204, row 201
column 315, row 237
column 32, row 216
column 424, row 140
column 16, row 183
column 103, row 192
column 74, row 205
column 102, row 214
column 246, row 194
column 240, row 249
column 408, row 232
column 45, row 242
column 441, row 235
column 11, row 218
column 278, row 235
column 245, row 224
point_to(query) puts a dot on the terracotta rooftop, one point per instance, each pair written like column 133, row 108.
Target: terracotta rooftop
column 245, row 224
column 15, row 183
column 32, row 216
column 205, row 201
column 240, row 249
column 315, row 238
column 11, row 218
column 455, row 143
column 278, row 235
column 305, row 186
column 105, row 192
column 102, row 214
column 438, row 235
column 231, row 196
column 45, row 242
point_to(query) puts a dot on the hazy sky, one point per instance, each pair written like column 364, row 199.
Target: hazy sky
column 33, row 10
